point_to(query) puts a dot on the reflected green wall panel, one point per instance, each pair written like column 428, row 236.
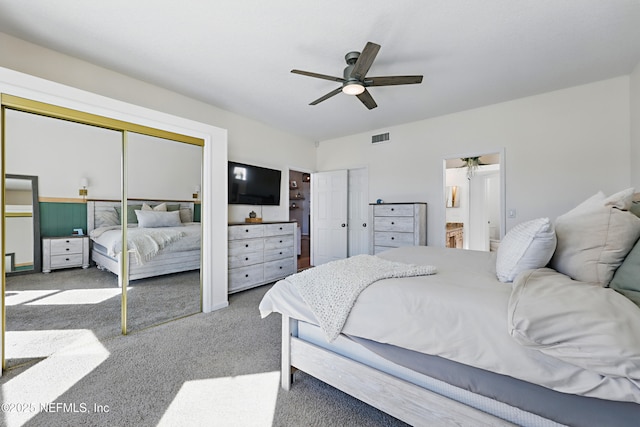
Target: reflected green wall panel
column 59, row 219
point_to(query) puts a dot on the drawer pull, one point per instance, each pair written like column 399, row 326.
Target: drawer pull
column 280, row 253
column 66, row 241
column 364, row 224
column 66, row 249
column 280, row 241
column 246, row 259
column 246, row 230
column 392, row 209
column 246, row 275
column 393, row 238
column 393, row 223
column 280, row 228
column 280, row 267
column 246, row 246
column 66, row 259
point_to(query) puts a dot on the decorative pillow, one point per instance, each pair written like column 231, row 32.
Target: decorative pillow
column 583, row 324
column 162, row 207
column 626, row 280
column 106, row 218
column 131, row 213
column 594, row 238
column 153, row 219
column 186, row 215
column 526, row 246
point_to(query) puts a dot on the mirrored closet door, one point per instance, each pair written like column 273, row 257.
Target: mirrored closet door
column 163, row 229
column 85, row 172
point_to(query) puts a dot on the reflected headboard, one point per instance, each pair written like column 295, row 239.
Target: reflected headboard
column 102, row 213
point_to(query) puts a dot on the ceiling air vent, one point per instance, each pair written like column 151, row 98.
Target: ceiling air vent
column 377, row 139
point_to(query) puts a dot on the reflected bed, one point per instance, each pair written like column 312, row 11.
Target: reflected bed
column 153, row 251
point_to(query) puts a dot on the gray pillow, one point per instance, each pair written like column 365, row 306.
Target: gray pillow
column 626, row 279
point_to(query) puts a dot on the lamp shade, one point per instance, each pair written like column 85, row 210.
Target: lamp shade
column 84, row 182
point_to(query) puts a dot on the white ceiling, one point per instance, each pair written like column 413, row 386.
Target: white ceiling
column 237, row 55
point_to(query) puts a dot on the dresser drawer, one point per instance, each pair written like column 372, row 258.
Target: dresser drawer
column 278, row 229
column 245, row 231
column 278, row 242
column 246, row 245
column 66, row 246
column 387, row 238
column 64, row 261
column 393, row 223
column 278, row 253
column 278, row 269
column 245, row 276
column 393, row 210
column 248, row 258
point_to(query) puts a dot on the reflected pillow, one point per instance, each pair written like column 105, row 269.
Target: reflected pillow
column 162, row 207
column 131, row 213
column 526, row 246
column 154, row 219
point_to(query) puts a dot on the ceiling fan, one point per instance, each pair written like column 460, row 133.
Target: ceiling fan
column 355, row 82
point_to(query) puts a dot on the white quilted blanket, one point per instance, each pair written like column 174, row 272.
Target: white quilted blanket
column 143, row 242
column 331, row 289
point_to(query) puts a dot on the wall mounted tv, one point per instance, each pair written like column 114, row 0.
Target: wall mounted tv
column 253, row 185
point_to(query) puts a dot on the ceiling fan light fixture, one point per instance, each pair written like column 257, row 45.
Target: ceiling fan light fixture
column 354, row 88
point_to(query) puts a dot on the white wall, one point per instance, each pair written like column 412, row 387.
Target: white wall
column 560, row 148
column 249, row 141
column 635, row 126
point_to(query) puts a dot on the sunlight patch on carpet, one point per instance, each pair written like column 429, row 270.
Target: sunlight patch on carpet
column 79, row 296
column 21, row 297
column 54, row 376
column 246, row 400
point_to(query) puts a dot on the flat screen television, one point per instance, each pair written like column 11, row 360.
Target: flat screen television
column 253, row 185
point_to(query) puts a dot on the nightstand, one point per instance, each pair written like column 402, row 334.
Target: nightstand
column 65, row 252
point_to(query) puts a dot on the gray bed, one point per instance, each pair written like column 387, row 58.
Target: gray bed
column 461, row 347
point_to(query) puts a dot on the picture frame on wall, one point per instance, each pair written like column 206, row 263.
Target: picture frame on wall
column 293, row 184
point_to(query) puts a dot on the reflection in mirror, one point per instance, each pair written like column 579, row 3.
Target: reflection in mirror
column 474, row 190
column 45, row 310
column 163, row 184
column 22, row 224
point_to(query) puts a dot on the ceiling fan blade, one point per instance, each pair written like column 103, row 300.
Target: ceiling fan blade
column 367, row 100
column 327, row 96
column 365, row 60
column 392, row 80
column 319, row 76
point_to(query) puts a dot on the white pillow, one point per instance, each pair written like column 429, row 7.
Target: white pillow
column 162, row 207
column 584, row 324
column 153, row 219
column 595, row 237
column 526, row 246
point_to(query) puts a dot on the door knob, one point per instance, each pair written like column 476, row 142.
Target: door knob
column 364, row 224
column 343, row 225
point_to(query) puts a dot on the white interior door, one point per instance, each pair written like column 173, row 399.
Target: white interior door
column 358, row 212
column 329, row 199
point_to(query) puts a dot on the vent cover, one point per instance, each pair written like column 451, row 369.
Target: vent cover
column 383, row 137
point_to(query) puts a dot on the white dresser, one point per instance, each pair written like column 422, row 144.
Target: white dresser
column 65, row 252
column 261, row 253
column 397, row 224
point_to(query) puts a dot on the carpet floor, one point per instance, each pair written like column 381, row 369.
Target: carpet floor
column 213, row 369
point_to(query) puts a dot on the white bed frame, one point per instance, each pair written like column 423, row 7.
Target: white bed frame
column 398, row 391
column 163, row 263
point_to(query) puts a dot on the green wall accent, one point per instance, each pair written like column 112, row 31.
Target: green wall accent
column 196, row 212
column 59, row 219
